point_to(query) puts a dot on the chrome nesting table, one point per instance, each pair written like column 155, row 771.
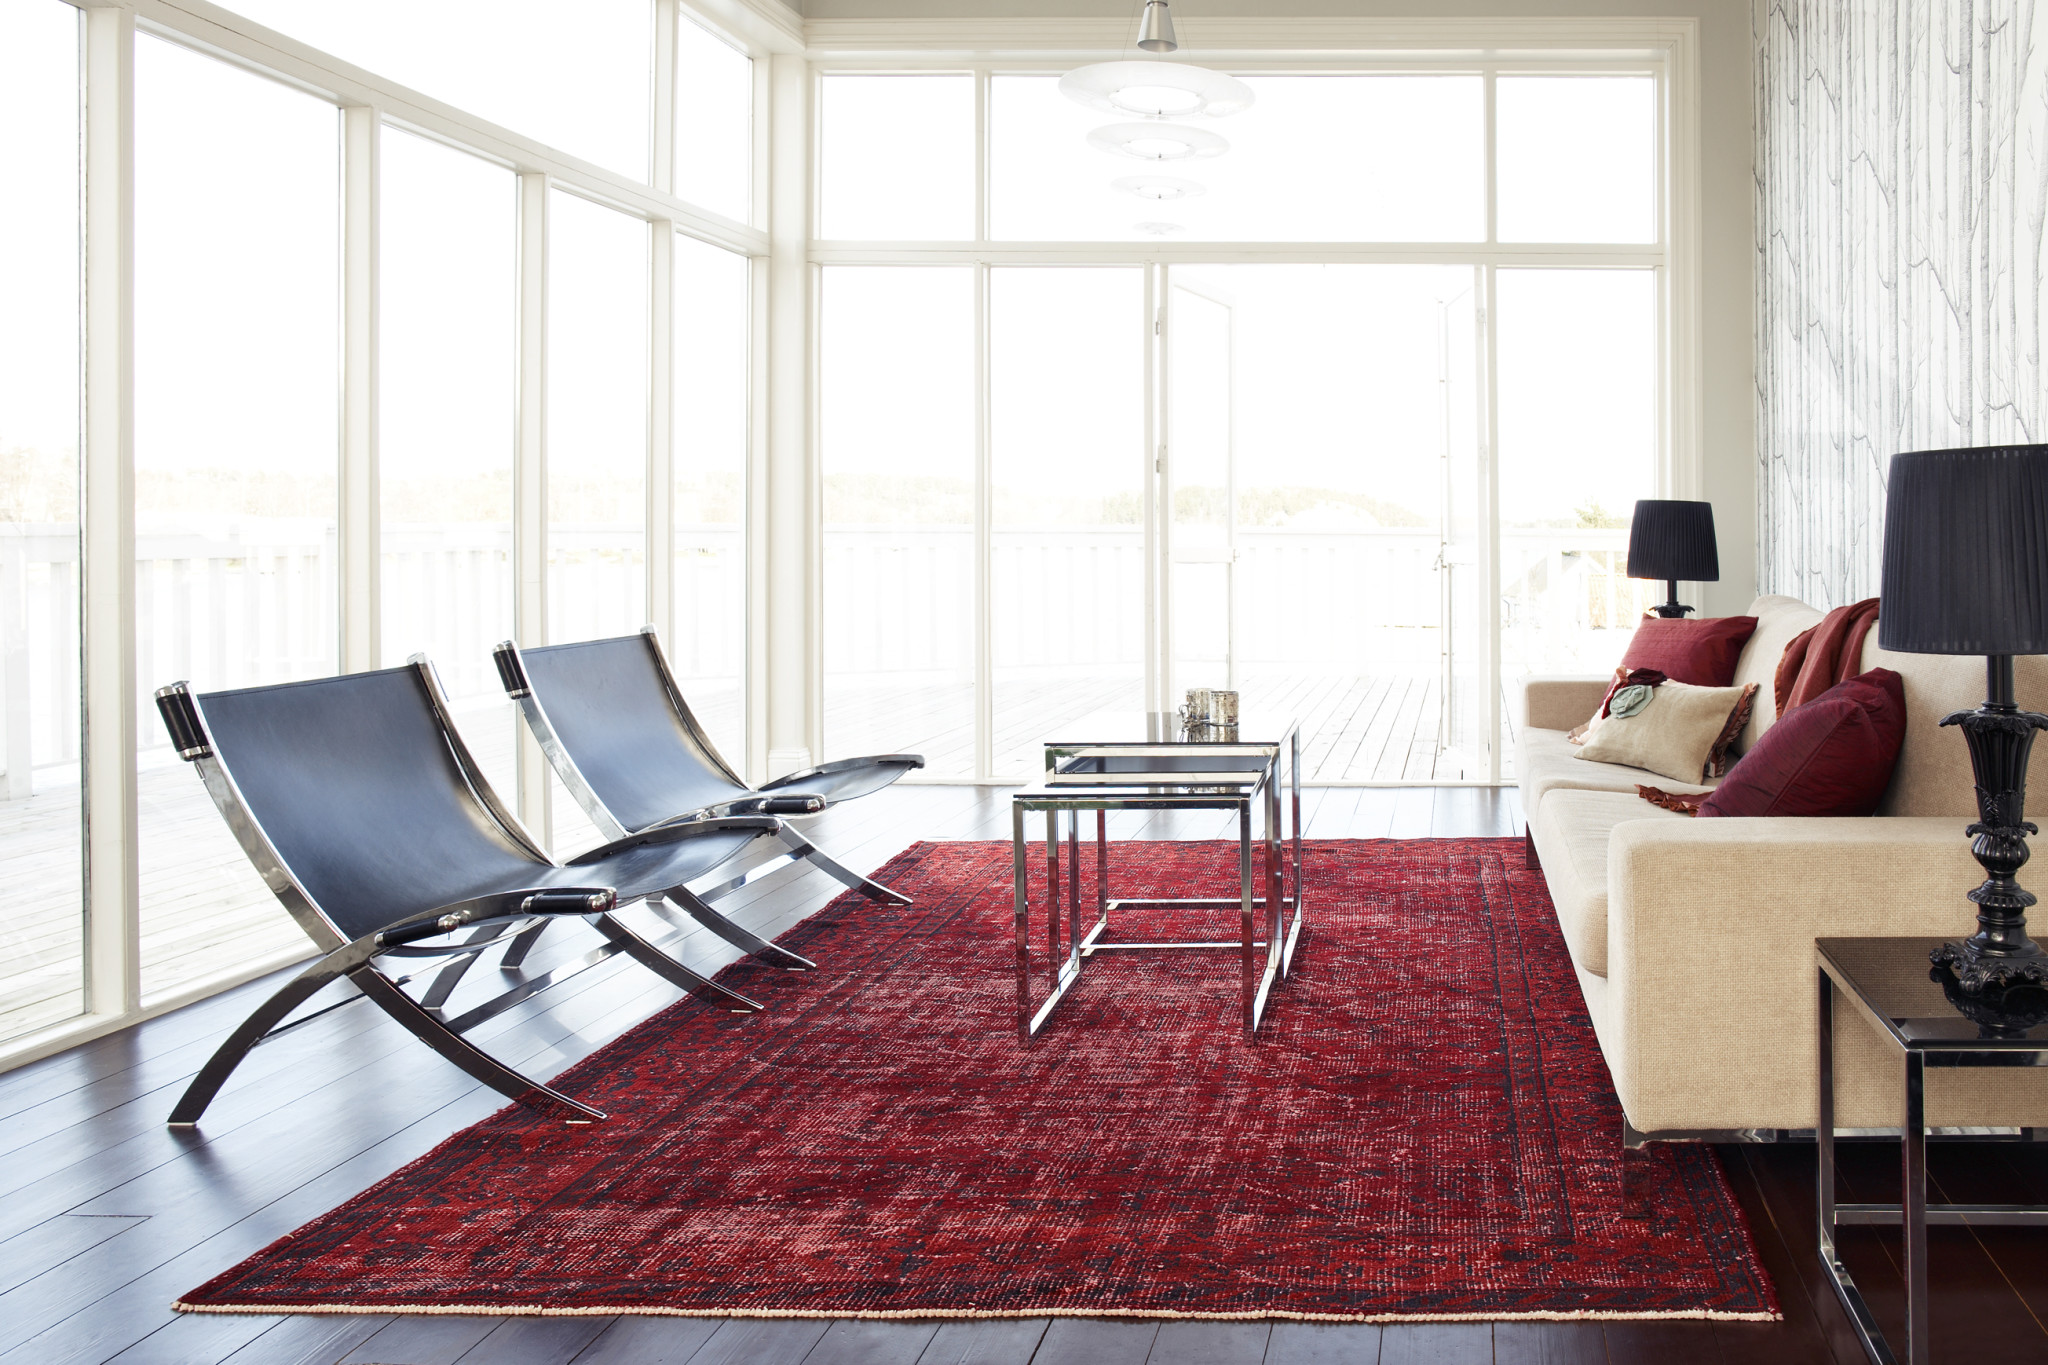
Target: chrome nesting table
column 1888, row 984
column 1149, row 761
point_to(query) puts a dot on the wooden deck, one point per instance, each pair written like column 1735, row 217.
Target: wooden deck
column 204, row 909
column 105, row 1215
column 1355, row 728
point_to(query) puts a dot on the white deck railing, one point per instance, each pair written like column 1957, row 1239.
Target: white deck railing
column 254, row 602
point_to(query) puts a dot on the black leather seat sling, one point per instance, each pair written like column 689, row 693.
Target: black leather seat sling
column 367, row 816
column 613, row 722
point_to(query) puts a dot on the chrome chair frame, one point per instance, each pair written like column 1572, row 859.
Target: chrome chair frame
column 512, row 918
column 759, row 800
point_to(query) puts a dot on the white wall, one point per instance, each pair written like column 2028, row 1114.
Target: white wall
column 1727, row 197
column 1902, row 186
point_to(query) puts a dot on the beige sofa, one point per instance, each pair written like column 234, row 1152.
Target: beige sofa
column 1693, row 938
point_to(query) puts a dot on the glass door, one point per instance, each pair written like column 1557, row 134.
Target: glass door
column 1200, row 500
column 1324, row 509
column 1464, row 563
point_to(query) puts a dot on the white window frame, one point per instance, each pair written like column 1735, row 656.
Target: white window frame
column 1667, row 50
column 367, row 103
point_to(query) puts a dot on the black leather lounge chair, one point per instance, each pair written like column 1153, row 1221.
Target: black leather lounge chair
column 613, row 722
column 364, row 812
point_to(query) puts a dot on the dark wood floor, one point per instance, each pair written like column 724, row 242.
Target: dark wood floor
column 105, row 1215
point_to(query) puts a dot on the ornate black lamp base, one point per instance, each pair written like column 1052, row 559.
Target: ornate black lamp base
column 1999, row 955
column 2007, row 1013
column 1980, row 972
column 1672, row 607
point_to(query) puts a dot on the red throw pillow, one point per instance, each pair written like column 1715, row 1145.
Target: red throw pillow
column 1702, row 653
column 1832, row 756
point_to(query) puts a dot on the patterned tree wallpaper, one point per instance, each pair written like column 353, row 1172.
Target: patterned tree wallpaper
column 1902, row 184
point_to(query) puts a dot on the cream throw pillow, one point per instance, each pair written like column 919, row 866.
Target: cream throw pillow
column 1672, row 736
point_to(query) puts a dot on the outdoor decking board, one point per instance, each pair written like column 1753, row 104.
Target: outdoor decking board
column 105, row 1215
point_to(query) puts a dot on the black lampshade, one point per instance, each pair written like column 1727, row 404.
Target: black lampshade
column 1966, row 552
column 1673, row 539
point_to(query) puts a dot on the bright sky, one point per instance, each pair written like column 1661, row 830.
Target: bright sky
column 574, row 76
column 237, row 261
column 1338, row 376
column 39, row 247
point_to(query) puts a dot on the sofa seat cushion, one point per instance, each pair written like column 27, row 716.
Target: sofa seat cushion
column 1571, row 833
column 1546, row 761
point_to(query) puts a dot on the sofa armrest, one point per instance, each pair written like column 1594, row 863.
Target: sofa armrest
column 1561, row 703
column 1708, row 1016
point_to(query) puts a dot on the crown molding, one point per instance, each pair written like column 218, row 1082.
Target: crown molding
column 763, row 25
column 1252, row 38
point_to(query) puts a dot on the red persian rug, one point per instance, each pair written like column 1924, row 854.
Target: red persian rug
column 1424, row 1129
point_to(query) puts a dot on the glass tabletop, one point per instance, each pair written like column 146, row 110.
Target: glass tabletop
column 1106, row 728
column 1922, row 1007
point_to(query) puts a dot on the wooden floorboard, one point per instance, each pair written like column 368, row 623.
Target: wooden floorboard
column 649, row 1341
column 105, row 1215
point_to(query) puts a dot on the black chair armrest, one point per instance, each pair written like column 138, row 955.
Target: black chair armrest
column 909, row 762
column 446, row 919
column 674, row 831
column 782, row 803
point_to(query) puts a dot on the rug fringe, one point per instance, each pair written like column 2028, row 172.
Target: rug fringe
column 650, row 1310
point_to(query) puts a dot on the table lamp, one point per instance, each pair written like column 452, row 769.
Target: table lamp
column 1966, row 572
column 1673, row 539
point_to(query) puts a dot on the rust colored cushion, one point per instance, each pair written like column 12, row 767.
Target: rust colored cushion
column 1702, row 653
column 1832, row 756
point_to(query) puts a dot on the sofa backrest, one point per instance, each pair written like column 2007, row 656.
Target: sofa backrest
column 1933, row 773
column 1779, row 620
column 1933, row 776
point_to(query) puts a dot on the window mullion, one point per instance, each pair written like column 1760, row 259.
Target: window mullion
column 529, row 477
column 1492, row 171
column 984, row 633
column 661, row 424
column 113, row 976
column 358, row 513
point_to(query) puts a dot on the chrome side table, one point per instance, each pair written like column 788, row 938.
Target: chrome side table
column 1150, row 763
column 1893, row 989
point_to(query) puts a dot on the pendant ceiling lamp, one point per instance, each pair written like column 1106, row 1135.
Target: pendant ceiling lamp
column 1156, row 90
column 1161, row 188
column 1155, row 30
column 1157, row 141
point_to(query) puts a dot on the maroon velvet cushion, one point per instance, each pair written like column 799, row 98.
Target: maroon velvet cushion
column 1702, row 653
column 1832, row 756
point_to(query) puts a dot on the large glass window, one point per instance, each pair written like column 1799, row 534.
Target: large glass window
column 714, row 122
column 41, row 819
column 896, row 414
column 1578, row 446
column 709, row 647
column 897, row 158
column 236, row 433
column 1315, row 159
column 597, row 436
column 1067, row 479
column 578, row 77
column 445, row 436
column 1578, row 158
column 1319, row 437
column 1320, row 425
